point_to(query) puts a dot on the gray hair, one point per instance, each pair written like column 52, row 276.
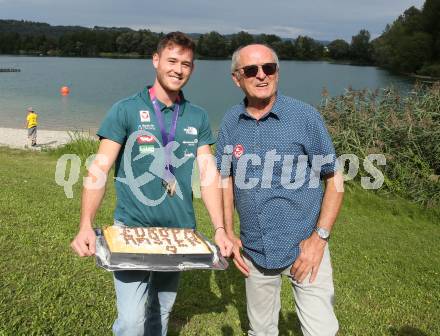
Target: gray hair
column 236, row 56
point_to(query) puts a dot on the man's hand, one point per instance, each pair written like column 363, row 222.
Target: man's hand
column 223, row 242
column 309, row 260
column 84, row 243
column 236, row 256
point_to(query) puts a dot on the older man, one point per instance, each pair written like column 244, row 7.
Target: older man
column 273, row 151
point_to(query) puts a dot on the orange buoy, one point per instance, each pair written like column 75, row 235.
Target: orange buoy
column 65, row 91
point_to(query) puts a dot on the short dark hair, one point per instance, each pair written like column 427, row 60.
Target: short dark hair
column 178, row 38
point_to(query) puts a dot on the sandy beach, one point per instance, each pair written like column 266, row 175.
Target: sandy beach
column 17, row 138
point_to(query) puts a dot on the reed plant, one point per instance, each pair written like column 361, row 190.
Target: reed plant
column 82, row 144
column 405, row 129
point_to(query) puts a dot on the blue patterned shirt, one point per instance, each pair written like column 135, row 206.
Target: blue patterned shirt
column 277, row 163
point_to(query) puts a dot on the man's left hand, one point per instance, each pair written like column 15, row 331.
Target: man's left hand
column 312, row 250
column 223, row 242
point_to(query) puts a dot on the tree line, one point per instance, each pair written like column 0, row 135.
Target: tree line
column 98, row 41
column 411, row 44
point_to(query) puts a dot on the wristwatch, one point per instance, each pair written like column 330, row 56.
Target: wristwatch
column 322, row 233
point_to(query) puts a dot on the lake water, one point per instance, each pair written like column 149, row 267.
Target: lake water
column 97, row 83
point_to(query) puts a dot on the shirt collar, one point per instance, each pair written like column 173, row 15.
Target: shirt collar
column 274, row 112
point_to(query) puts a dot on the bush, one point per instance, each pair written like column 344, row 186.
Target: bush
column 432, row 70
column 405, row 129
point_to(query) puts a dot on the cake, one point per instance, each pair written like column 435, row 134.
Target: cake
column 157, row 245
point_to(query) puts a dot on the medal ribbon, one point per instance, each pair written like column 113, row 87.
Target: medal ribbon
column 166, row 137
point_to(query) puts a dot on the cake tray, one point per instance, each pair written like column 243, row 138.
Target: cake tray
column 154, row 262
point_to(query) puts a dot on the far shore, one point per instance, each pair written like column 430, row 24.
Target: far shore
column 17, row 138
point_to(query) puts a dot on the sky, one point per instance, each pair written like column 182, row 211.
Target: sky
column 320, row 19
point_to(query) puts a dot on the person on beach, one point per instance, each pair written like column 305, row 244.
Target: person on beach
column 273, row 151
column 135, row 127
column 31, row 125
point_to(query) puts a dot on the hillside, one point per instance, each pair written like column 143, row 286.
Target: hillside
column 31, row 28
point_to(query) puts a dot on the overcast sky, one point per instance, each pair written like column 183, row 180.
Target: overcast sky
column 320, row 19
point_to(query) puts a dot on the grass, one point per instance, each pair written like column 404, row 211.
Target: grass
column 385, row 256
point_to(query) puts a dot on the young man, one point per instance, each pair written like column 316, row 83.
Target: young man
column 268, row 151
column 135, row 135
column 31, row 125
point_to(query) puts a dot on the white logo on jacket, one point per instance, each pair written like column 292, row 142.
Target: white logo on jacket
column 190, row 130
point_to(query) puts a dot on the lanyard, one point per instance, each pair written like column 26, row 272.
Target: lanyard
column 166, row 137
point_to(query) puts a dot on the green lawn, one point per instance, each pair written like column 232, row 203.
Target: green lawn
column 385, row 251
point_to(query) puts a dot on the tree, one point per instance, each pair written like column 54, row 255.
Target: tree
column 269, row 39
column 339, row 50
column 431, row 25
column 411, row 43
column 239, row 40
column 149, row 43
column 212, row 45
column 360, row 49
column 412, row 20
column 9, row 43
column 284, row 49
column 431, row 17
column 414, row 51
column 105, row 40
column 436, row 52
column 307, row 48
column 67, row 45
column 123, row 42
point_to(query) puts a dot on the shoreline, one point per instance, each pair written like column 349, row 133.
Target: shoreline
column 423, row 78
column 17, row 138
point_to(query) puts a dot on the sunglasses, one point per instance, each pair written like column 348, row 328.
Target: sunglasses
column 252, row 70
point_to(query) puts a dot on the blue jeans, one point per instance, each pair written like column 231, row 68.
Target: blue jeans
column 144, row 301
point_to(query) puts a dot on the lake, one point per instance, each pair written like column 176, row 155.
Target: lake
column 97, row 83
